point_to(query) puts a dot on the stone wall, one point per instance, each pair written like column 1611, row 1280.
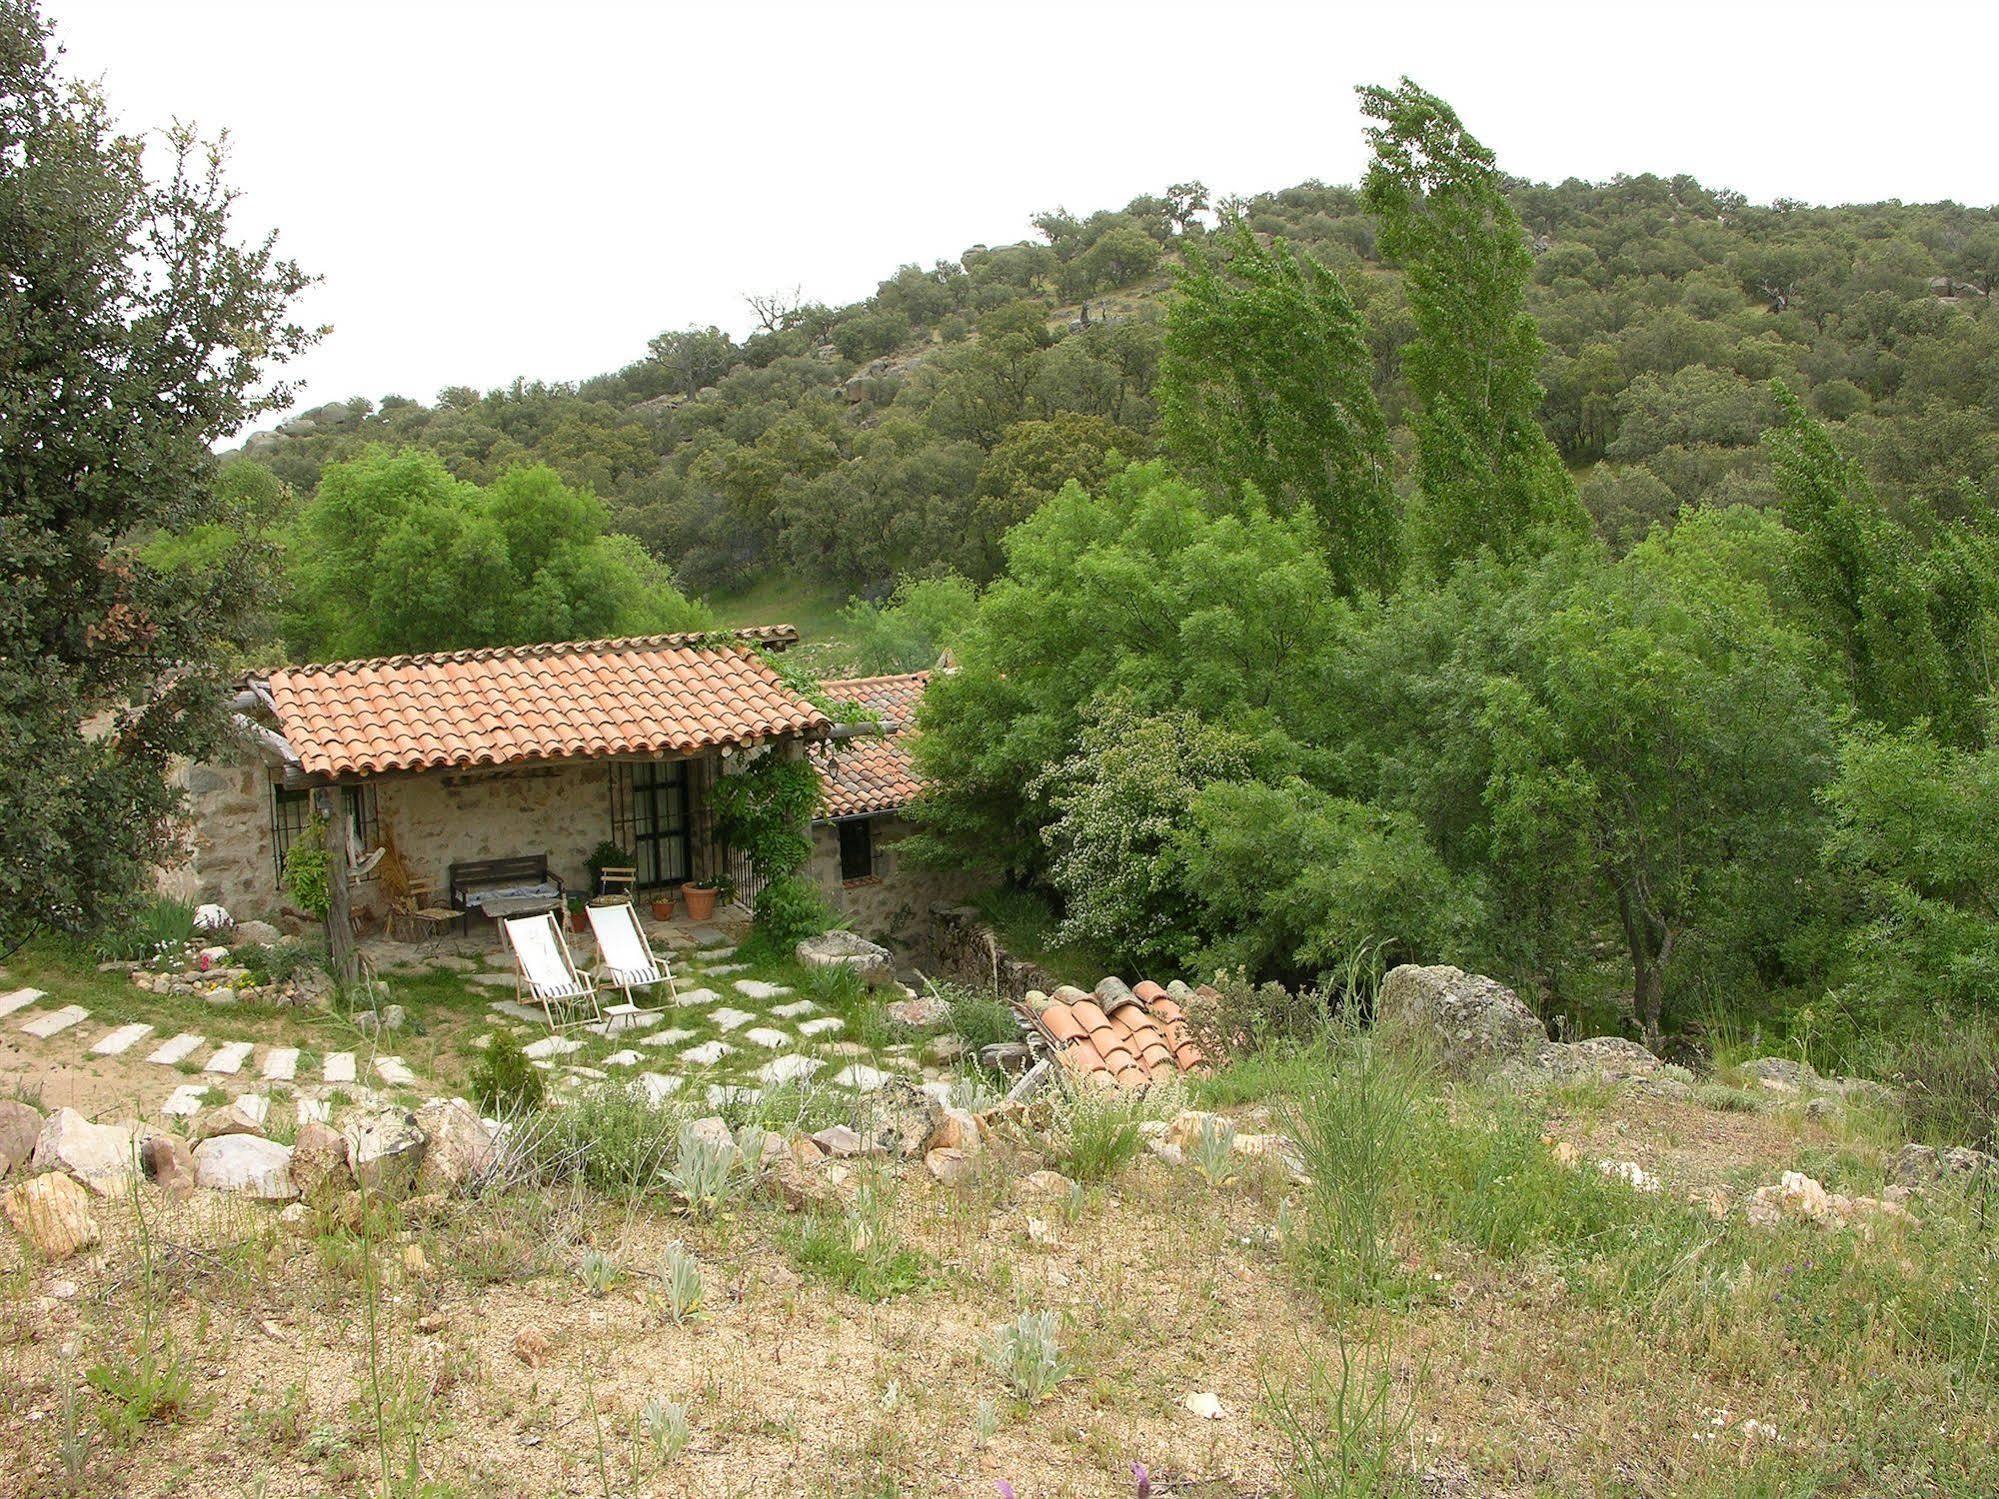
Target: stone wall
column 964, row 950
column 228, row 850
column 894, row 904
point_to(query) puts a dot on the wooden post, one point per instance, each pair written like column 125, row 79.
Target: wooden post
column 339, row 914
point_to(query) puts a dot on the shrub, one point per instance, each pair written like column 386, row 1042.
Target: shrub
column 153, row 928
column 1950, row 1085
column 680, row 1279
column 504, row 1080
column 1099, row 1133
column 1025, row 1353
column 790, row 909
column 305, row 869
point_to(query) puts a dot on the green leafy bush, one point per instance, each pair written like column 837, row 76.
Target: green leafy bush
column 154, row 927
column 790, row 909
column 504, row 1080
column 305, row 869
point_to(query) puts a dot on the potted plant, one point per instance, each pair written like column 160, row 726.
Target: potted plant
column 700, row 900
column 578, row 922
column 662, row 905
column 606, row 855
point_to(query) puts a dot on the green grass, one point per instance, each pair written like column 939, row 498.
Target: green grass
column 1026, row 927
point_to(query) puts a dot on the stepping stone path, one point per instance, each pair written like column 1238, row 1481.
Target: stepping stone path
column 622, row 1059
column 821, row 1026
column 515, row 1010
column 44, row 1026
column 551, row 1046
column 862, row 1078
column 793, row 1010
column 339, row 1067
column 728, row 1019
column 230, row 1058
column 791, row 1069
column 178, row 1049
column 698, row 997
column 281, row 1064
column 621, row 1018
column 184, row 1102
column 711, row 956
column 20, row 999
column 255, row 1106
column 707, row 1054
column 721, row 970
column 768, row 1038
column 394, row 1072
column 314, row 1111
column 657, row 1085
column 721, row 1095
column 116, row 1043
column 758, row 989
column 667, row 1037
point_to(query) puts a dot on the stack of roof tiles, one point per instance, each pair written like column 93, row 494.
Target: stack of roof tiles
column 1119, row 1037
column 871, row 773
column 652, row 695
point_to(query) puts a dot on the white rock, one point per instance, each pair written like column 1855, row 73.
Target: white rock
column 394, row 1071
column 245, row 1163
column 789, row 1069
column 18, row 999
column 707, row 1054
column 184, row 1102
column 793, row 1010
column 551, row 1046
column 689, row 997
column 656, row 1086
column 669, row 1037
column 728, row 1019
column 228, row 1060
column 821, row 1026
column 625, row 1058
column 178, row 1049
column 767, row 1037
column 338, row 1067
column 758, row 989
column 861, row 1077
column 55, row 1021
column 117, row 1042
column 1204, row 1404
column 281, row 1064
column 101, row 1156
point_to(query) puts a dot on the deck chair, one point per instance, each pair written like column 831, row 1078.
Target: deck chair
column 625, row 959
column 544, row 969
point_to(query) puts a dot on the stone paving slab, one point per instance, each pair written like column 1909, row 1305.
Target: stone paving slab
column 394, row 1071
column 551, row 1046
column 793, row 1010
column 862, row 1078
column 621, row 1018
column 178, row 1049
column 118, row 1042
column 768, row 1037
column 657, row 1085
column 707, row 1054
column 339, row 1067
column 758, row 989
column 697, row 997
column 666, row 1037
column 730, row 1019
column 184, row 1102
column 792, row 1069
column 513, row 1009
column 626, row 1058
column 55, row 1021
column 281, row 1064
column 314, row 1111
column 721, row 1095
column 721, row 970
column 255, row 1106
column 229, row 1059
column 821, row 1026
column 20, row 999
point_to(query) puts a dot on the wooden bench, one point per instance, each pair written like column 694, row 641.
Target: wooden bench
column 470, row 878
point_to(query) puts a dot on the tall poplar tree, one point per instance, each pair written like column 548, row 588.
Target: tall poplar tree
column 1266, row 376
column 1488, row 474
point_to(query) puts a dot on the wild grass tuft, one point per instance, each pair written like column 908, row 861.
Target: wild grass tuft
column 1027, row 1354
column 1098, row 1135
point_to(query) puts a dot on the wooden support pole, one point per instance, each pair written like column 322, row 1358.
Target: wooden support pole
column 326, row 801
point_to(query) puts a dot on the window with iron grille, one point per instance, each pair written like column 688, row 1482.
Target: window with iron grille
column 649, row 817
column 291, row 811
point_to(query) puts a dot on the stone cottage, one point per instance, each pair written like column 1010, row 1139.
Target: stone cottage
column 516, row 753
column 868, row 782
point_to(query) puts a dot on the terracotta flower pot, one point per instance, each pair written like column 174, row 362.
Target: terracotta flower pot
column 578, row 922
column 662, row 908
column 700, row 901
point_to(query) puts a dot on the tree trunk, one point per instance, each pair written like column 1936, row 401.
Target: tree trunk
column 339, row 913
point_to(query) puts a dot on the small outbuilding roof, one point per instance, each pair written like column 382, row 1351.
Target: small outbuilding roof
column 646, row 695
column 871, row 772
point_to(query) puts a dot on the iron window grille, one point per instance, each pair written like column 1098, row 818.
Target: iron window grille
column 291, row 813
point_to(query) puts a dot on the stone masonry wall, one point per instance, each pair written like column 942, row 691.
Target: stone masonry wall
column 896, row 903
column 229, row 855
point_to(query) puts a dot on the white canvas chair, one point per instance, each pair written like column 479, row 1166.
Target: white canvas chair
column 544, row 969
column 625, row 958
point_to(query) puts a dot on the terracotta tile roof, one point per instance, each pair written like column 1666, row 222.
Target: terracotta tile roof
column 871, row 773
column 655, row 694
column 1118, row 1037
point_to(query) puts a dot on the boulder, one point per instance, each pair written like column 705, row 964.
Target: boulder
column 169, row 1161
column 1916, row 1166
column 52, row 1213
column 1612, row 1058
column 1047, row 1184
column 245, row 1163
column 951, row 1167
column 844, row 949
column 458, row 1149
column 20, row 1127
column 261, row 933
column 1185, row 1130
column 1780, row 1074
column 952, row 1129
column 101, row 1156
column 714, row 1129
column 839, row 1141
column 232, row 1120
column 320, row 1161
column 385, row 1148
column 1466, row 1019
column 1798, row 1196
column 918, row 1010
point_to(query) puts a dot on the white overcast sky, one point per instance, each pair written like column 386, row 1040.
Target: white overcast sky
column 495, row 190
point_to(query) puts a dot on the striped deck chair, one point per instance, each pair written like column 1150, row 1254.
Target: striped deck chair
column 544, row 969
column 625, row 959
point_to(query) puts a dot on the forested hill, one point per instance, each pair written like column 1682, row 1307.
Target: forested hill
column 902, row 434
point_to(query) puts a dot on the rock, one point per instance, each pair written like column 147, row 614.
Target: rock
column 951, row 1167
column 259, row 933
column 457, row 1150
column 432, row 1323
column 844, row 949
column 1799, row 1196
column 101, row 1156
column 53, row 1214
column 807, row 1151
column 394, row 1017
column 232, row 1120
column 793, row 1185
column 944, row 1049
column 169, row 1161
column 1046, row 1183
column 20, row 1127
column 1636, row 1175
column 1466, row 1019
column 320, row 1161
column 245, row 1163
column 1780, row 1074
column 1186, row 1128
column 714, row 1129
column 1611, row 1058
column 1006, row 1056
column 222, row 996
column 1916, row 1166
column 918, row 1010
column 1864, row 1091
column 839, row 1142
column 531, row 1346
column 385, row 1149
column 952, row 1129
column 1280, row 1148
